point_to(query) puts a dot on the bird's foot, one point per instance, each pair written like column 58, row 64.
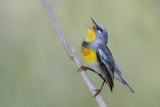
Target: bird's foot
column 82, row 68
column 97, row 92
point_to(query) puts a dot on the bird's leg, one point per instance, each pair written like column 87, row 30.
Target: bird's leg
column 98, row 91
column 85, row 69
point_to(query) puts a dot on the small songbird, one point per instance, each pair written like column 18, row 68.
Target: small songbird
column 99, row 58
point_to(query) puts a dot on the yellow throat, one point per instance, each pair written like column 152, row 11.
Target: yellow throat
column 90, row 35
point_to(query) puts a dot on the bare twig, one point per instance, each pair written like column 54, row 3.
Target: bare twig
column 71, row 53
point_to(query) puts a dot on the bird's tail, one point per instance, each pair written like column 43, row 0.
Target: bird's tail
column 122, row 79
column 127, row 85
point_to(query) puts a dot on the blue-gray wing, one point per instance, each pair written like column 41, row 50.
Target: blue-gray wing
column 106, row 64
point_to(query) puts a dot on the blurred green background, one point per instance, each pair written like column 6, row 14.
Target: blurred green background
column 36, row 72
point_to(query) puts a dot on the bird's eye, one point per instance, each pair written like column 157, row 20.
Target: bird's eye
column 101, row 30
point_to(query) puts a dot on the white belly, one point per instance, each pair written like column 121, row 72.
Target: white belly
column 95, row 66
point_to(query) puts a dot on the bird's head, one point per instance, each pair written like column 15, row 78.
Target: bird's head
column 97, row 32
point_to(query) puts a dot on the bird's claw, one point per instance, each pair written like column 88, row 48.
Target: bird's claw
column 82, row 68
column 97, row 92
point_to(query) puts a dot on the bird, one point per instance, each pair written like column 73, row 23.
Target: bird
column 100, row 59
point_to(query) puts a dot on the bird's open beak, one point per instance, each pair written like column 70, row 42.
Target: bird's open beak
column 94, row 24
column 90, row 28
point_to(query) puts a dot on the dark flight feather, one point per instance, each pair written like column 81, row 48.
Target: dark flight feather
column 106, row 64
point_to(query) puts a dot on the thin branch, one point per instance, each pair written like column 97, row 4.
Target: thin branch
column 71, row 53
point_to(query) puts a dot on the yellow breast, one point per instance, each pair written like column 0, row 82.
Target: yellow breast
column 89, row 54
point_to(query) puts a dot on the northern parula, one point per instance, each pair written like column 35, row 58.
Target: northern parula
column 99, row 58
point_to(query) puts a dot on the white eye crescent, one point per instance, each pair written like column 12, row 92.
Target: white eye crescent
column 99, row 31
